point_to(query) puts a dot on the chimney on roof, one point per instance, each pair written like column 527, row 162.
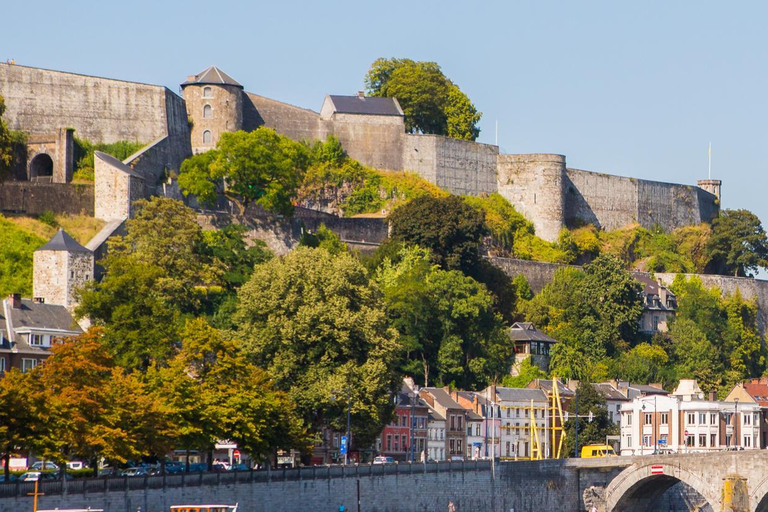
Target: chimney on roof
column 191, row 78
column 361, row 94
column 15, row 300
column 712, row 396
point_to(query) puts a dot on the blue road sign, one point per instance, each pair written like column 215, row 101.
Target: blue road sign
column 343, row 449
column 661, row 441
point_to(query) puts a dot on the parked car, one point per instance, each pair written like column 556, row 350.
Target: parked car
column 42, row 465
column 198, row 467
column 457, row 458
column 239, row 467
column 31, row 476
column 383, row 460
column 108, row 471
column 11, row 477
column 135, row 472
column 172, row 467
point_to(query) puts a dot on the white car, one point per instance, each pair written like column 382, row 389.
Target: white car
column 30, row 476
column 75, row 465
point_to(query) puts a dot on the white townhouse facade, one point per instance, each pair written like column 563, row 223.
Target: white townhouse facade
column 687, row 422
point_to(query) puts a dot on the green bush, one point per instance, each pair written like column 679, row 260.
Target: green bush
column 48, row 217
column 84, row 150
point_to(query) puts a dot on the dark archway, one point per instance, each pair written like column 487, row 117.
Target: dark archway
column 662, row 492
column 763, row 505
column 41, row 168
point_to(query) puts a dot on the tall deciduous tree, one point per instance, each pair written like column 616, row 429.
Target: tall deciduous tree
column 590, row 432
column 317, row 324
column 259, row 166
column 446, row 321
column 213, row 393
column 24, row 415
column 430, row 101
column 447, row 226
column 738, row 244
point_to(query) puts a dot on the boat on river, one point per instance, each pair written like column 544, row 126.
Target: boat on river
column 204, row 508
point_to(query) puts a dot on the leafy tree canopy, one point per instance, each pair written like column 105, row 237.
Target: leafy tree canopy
column 739, row 244
column 317, row 324
column 590, row 432
column 446, row 320
column 259, row 166
column 430, row 101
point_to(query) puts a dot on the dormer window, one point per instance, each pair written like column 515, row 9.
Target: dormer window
column 207, row 92
column 207, row 112
column 39, row 340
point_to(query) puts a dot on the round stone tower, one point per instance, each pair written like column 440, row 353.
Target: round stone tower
column 534, row 184
column 214, row 106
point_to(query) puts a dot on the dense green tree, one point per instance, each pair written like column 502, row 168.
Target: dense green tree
column 446, row 321
column 229, row 249
column 213, row 393
column 430, row 101
column 643, row 363
column 160, row 270
column 738, row 244
column 325, row 239
column 590, row 432
column 527, row 372
column 259, row 166
column 447, row 226
column 317, row 324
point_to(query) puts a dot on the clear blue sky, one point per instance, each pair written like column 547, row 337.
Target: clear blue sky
column 630, row 88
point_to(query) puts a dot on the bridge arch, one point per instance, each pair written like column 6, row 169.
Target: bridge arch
column 637, row 488
column 759, row 496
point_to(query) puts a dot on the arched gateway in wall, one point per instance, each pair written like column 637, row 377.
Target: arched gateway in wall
column 639, row 487
column 41, row 167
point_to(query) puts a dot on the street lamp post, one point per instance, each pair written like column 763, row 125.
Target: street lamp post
column 736, row 422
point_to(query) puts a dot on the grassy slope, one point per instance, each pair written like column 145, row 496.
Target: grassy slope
column 20, row 236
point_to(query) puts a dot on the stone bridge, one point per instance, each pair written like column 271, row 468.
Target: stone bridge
column 722, row 481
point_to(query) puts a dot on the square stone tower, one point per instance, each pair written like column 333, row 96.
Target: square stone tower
column 60, row 267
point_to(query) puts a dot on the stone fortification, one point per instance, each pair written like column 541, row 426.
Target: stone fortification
column 612, row 202
column 99, row 109
column 36, row 198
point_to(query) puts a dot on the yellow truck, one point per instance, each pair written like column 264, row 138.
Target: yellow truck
column 591, row 451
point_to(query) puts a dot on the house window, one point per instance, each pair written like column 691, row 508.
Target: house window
column 702, row 418
column 748, row 419
column 28, row 364
column 655, row 322
column 713, row 440
column 628, row 416
column 665, row 418
column 647, row 441
column 403, row 442
column 747, row 441
column 2, row 365
column 629, row 440
column 702, row 440
column 207, row 137
column 207, row 112
column 689, row 441
column 336, row 440
column 713, row 418
column 389, row 442
column 691, row 418
column 648, row 419
column 452, row 445
column 36, row 340
column 458, row 419
column 397, row 443
column 207, row 92
column 459, row 448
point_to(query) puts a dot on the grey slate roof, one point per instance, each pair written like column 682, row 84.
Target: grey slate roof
column 114, row 162
column 520, row 395
column 546, row 386
column 443, row 398
column 35, row 316
column 609, row 392
column 212, row 76
column 366, row 105
column 525, row 331
column 61, row 241
column 648, row 390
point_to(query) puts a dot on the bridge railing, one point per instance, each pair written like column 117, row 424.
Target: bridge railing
column 196, row 479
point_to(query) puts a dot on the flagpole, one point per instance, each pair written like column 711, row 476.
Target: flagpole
column 709, row 171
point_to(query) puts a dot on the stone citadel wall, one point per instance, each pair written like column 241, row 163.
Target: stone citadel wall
column 99, row 109
column 36, row 198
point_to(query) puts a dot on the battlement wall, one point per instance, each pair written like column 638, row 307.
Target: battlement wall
column 612, row 202
column 294, row 122
column 99, row 109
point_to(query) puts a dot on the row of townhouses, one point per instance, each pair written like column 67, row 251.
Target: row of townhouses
column 515, row 424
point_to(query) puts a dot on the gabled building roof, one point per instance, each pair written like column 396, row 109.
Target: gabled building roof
column 211, row 76
column 609, row 392
column 442, row 398
column 758, row 390
column 365, row 105
column 525, row 331
column 35, row 317
column 520, row 395
column 61, row 241
column 546, row 386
